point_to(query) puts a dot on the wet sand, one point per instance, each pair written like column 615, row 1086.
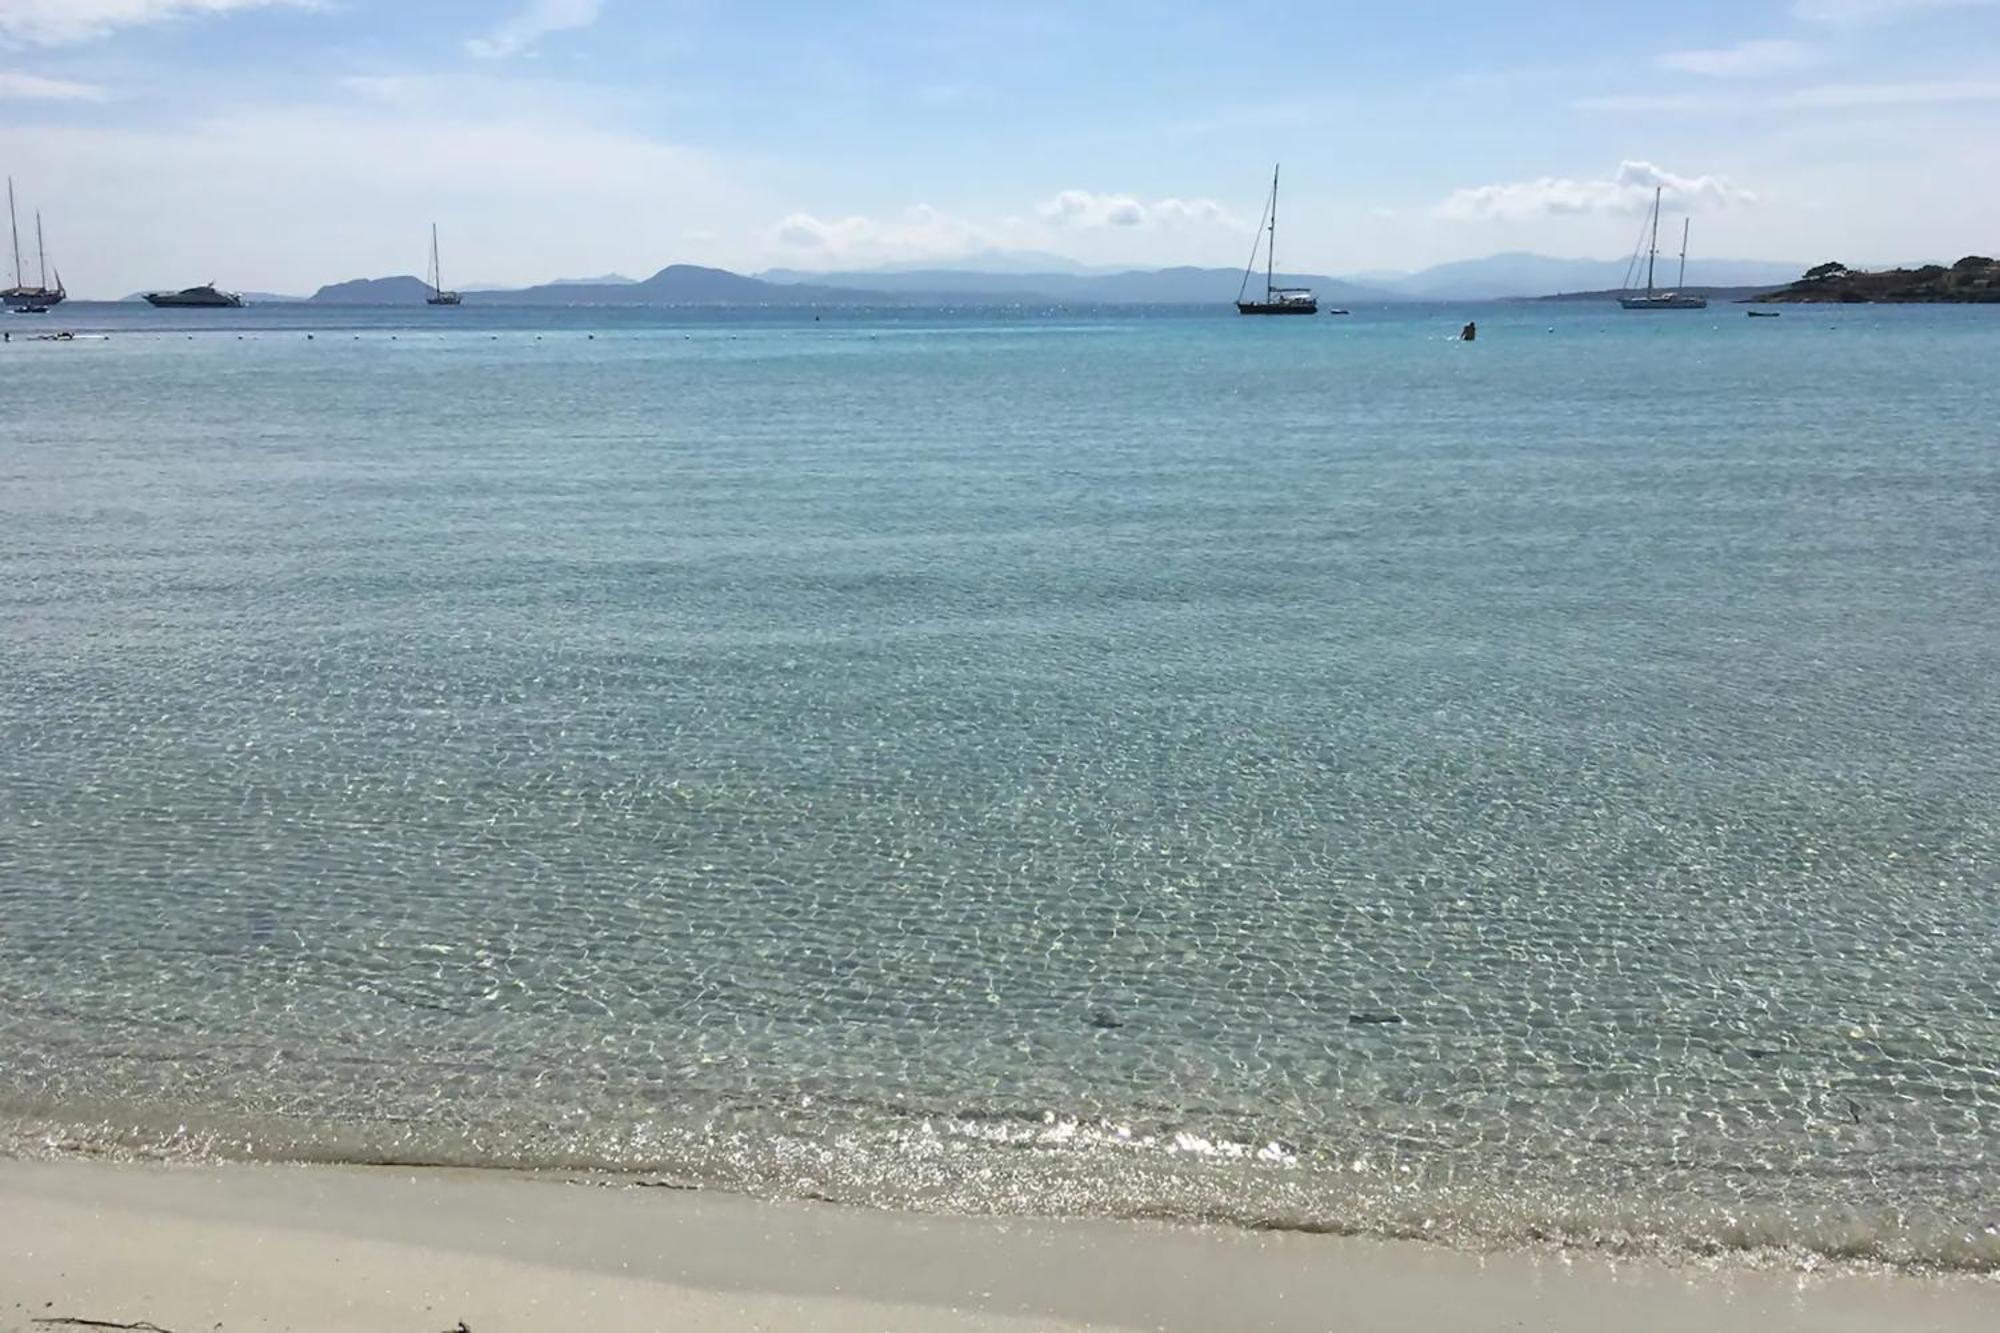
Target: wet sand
column 197, row 1249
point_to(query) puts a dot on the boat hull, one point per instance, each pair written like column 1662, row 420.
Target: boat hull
column 31, row 298
column 176, row 301
column 1664, row 302
column 1277, row 307
column 449, row 298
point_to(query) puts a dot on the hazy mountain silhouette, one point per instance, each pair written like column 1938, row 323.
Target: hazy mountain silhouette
column 1167, row 286
column 677, row 284
column 1497, row 277
column 401, row 290
column 683, row 284
column 981, row 261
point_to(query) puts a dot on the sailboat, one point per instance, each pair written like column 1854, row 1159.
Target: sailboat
column 21, row 298
column 1277, row 300
column 1658, row 300
column 438, row 296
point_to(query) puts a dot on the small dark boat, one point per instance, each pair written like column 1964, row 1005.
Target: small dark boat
column 1765, row 314
column 1340, row 312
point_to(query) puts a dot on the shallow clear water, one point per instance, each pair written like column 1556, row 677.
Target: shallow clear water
column 1307, row 773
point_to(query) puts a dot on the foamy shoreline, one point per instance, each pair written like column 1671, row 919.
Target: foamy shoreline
column 334, row 1248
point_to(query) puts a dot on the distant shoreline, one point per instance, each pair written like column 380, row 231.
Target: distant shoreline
column 1974, row 280
column 1613, row 294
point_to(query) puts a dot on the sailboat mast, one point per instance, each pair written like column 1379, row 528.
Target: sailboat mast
column 1653, row 253
column 1271, row 250
column 14, row 223
column 437, row 278
column 1685, row 224
column 41, row 252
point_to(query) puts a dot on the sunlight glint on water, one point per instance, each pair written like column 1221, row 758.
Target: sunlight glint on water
column 1320, row 775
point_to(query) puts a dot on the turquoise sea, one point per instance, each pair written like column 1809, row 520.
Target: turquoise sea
column 1298, row 773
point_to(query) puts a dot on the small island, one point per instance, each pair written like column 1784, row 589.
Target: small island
column 1971, row 280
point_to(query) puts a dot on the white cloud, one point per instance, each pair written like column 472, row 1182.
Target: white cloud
column 1120, row 225
column 920, row 232
column 535, row 21
column 1871, row 11
column 34, row 86
column 1745, row 60
column 1838, row 95
column 1630, row 191
column 54, row 22
column 1082, row 208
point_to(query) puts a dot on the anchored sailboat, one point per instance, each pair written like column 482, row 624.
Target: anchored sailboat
column 1277, row 300
column 1658, row 300
column 438, row 296
column 21, row 298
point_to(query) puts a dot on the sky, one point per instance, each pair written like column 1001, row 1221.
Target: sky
column 273, row 145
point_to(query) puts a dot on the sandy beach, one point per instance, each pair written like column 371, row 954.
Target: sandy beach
column 317, row 1248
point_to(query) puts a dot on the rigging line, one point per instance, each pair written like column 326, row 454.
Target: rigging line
column 1255, row 245
column 1632, row 264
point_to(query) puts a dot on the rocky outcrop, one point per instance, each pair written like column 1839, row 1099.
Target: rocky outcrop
column 1972, row 280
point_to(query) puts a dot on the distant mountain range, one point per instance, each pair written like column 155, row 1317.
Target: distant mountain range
column 995, row 261
column 1494, row 278
column 607, row 280
column 1166, row 286
column 403, row 290
column 687, row 284
column 1716, row 294
column 1497, row 277
column 677, row 284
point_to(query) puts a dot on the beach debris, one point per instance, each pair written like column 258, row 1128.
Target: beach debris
column 1105, row 1020
column 1374, row 1018
column 68, row 1321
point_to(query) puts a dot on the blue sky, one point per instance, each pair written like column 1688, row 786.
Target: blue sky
column 276, row 144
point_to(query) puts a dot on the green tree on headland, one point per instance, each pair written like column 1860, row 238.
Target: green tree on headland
column 1826, row 272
